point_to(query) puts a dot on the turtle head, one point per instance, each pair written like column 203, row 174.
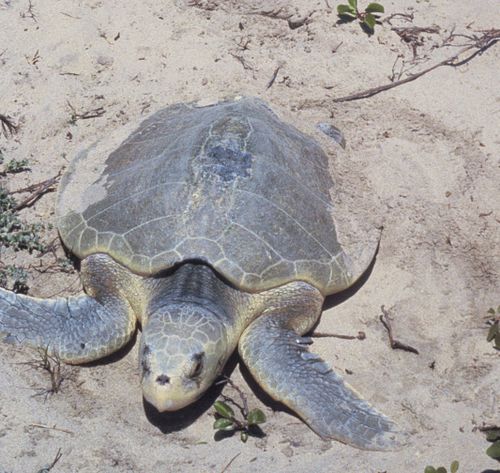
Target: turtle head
column 183, row 349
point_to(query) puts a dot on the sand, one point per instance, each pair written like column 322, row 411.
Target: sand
column 421, row 160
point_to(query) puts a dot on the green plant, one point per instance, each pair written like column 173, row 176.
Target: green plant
column 14, row 278
column 453, row 468
column 227, row 422
column 368, row 18
column 493, row 435
column 493, row 319
column 15, row 166
column 15, row 233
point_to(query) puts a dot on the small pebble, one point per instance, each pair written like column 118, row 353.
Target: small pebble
column 287, row 451
column 105, row 60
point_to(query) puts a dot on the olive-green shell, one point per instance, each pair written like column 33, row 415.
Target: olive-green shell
column 229, row 184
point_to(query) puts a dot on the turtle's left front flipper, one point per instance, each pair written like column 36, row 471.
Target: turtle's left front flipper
column 279, row 360
column 77, row 329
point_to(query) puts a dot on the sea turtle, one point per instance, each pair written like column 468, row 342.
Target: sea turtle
column 213, row 228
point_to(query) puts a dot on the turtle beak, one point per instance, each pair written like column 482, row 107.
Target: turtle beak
column 165, row 397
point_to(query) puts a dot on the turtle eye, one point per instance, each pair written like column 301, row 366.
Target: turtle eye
column 197, row 367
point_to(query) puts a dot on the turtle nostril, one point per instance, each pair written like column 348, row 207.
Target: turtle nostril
column 163, row 379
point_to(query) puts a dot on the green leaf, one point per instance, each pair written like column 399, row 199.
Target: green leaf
column 243, row 436
column 256, row 416
column 223, row 409
column 429, row 469
column 346, row 11
column 223, row 424
column 441, row 469
column 370, row 21
column 497, row 341
column 353, row 3
column 493, row 435
column 491, row 311
column 374, row 8
column 492, row 332
column 494, row 450
column 454, row 466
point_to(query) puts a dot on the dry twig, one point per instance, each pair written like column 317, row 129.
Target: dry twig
column 480, row 44
column 273, row 78
column 37, row 191
column 30, row 12
column 411, row 35
column 49, row 467
column 53, row 427
column 360, row 336
column 94, row 113
column 230, row 461
column 52, row 365
column 8, row 125
column 395, row 344
column 35, row 59
column 242, row 61
column 242, row 408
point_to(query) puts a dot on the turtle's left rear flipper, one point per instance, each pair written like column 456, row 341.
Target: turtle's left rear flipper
column 279, row 360
column 77, row 329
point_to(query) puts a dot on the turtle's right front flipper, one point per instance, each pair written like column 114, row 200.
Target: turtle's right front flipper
column 278, row 358
column 77, row 329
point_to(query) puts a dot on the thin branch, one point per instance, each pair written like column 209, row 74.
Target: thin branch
column 230, row 461
column 37, row 191
column 53, row 464
column 53, row 427
column 359, row 336
column 96, row 112
column 273, row 78
column 481, row 44
column 395, row 344
column 486, row 427
column 243, row 409
column 30, row 12
column 8, row 125
column 242, row 61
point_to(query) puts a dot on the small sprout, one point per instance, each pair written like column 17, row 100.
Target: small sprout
column 223, row 424
column 494, row 450
column 223, row 410
column 453, row 468
column 493, row 435
column 256, row 416
column 367, row 18
column 247, row 423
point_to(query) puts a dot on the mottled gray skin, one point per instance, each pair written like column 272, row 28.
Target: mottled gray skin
column 213, row 228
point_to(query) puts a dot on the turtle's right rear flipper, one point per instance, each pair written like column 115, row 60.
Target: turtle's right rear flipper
column 77, row 329
column 280, row 362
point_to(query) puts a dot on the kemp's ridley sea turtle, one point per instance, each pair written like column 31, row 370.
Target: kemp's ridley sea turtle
column 213, row 228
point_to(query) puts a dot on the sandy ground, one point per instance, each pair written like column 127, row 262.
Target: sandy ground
column 422, row 159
